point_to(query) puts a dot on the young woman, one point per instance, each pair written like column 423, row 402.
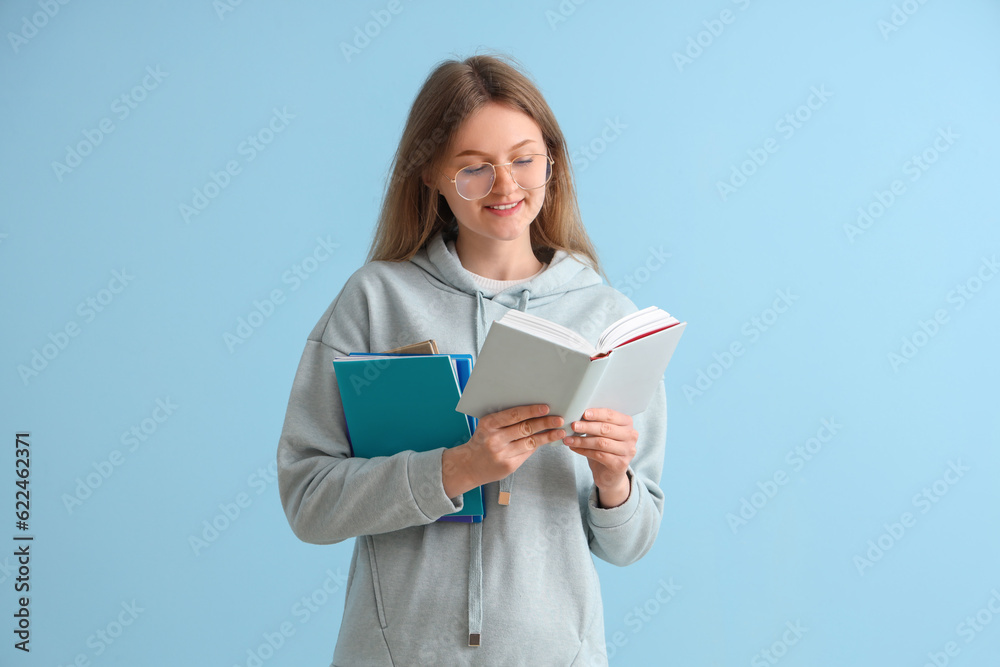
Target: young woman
column 479, row 217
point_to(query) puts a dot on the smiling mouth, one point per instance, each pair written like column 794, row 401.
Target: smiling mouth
column 504, row 207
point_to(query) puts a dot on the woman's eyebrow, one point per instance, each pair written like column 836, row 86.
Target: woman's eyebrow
column 513, row 148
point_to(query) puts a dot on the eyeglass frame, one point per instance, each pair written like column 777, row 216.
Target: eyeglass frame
column 510, row 170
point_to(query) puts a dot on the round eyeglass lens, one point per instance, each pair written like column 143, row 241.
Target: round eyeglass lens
column 531, row 171
column 475, row 181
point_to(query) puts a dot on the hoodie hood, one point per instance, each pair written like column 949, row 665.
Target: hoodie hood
column 563, row 274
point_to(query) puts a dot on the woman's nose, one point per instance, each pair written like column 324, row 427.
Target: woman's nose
column 504, row 184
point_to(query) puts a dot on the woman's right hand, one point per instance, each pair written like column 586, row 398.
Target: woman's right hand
column 502, row 442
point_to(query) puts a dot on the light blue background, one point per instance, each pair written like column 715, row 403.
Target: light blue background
column 652, row 183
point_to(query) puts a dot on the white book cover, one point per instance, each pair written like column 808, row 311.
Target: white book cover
column 521, row 364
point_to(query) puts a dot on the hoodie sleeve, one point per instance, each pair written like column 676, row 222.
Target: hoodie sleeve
column 329, row 496
column 622, row 535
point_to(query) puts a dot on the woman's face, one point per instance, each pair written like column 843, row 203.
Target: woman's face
column 495, row 133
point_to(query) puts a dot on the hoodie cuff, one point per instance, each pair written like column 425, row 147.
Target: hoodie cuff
column 612, row 517
column 424, row 470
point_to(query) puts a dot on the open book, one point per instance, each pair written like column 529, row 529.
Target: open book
column 527, row 359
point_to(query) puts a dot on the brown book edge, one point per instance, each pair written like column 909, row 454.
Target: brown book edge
column 428, row 346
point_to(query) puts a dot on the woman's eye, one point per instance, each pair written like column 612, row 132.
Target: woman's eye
column 523, row 162
column 474, row 171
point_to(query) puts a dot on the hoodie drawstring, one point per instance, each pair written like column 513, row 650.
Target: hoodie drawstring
column 475, row 583
column 506, row 485
column 522, row 305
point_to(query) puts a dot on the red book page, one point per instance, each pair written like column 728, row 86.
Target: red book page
column 648, row 333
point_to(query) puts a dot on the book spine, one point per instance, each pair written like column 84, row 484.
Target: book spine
column 585, row 391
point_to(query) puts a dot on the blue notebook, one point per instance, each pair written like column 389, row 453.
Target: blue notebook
column 394, row 402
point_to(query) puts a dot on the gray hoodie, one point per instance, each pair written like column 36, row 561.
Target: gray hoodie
column 523, row 581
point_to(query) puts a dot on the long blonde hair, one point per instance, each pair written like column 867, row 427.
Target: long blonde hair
column 413, row 212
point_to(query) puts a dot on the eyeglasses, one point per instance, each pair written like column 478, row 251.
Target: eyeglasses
column 527, row 171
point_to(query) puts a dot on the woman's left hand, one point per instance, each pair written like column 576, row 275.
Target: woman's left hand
column 609, row 445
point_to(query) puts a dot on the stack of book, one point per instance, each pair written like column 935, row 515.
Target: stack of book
column 405, row 399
